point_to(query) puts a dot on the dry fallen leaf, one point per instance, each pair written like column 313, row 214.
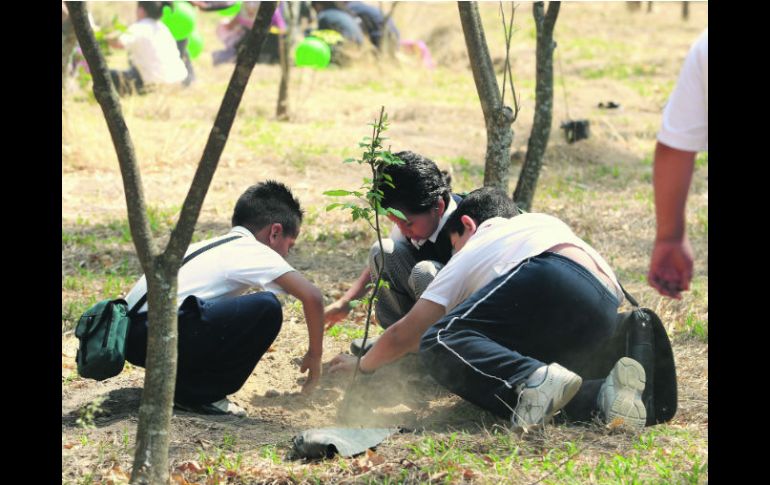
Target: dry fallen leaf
column 178, row 479
column 468, row 474
column 67, row 446
column 374, row 458
column 616, row 423
column 189, row 466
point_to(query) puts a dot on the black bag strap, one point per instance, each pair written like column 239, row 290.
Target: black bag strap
column 630, row 298
column 187, row 258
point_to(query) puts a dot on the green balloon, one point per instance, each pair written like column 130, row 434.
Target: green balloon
column 195, row 44
column 231, row 10
column 312, row 52
column 180, row 20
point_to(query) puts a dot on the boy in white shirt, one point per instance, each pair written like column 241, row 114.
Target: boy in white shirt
column 520, row 291
column 152, row 53
column 222, row 332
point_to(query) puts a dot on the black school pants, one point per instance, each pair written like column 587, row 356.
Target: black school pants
column 547, row 309
column 220, row 343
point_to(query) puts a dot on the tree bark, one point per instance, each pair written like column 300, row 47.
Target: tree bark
column 498, row 118
column 284, row 44
column 387, row 44
column 541, row 125
column 161, row 269
column 685, row 10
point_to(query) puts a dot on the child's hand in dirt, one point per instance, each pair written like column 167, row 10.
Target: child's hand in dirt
column 343, row 363
column 335, row 312
column 312, row 363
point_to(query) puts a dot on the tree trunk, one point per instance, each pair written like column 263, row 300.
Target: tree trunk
column 284, row 44
column 498, row 118
column 649, row 7
column 685, row 10
column 541, row 125
column 151, row 456
column 387, row 40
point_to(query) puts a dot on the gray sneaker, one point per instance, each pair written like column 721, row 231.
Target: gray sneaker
column 538, row 404
column 620, row 398
column 356, row 344
column 221, row 407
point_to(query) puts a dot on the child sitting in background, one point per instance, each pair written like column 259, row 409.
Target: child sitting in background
column 152, row 53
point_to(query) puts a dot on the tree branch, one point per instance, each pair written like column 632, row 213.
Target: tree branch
column 481, row 63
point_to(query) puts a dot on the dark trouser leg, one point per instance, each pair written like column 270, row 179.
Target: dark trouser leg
column 220, row 343
column 185, row 55
column 548, row 309
column 396, row 301
column 127, row 82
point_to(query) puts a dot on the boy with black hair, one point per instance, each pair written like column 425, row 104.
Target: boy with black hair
column 520, row 291
column 222, row 331
column 153, row 54
column 416, row 249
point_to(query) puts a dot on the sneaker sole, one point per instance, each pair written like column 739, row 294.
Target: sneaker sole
column 629, row 380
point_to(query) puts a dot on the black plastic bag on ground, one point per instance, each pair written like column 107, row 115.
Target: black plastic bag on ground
column 326, row 442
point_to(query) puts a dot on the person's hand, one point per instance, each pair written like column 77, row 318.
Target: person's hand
column 313, row 364
column 343, row 363
column 335, row 312
column 671, row 267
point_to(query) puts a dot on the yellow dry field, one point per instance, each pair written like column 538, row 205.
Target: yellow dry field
column 600, row 186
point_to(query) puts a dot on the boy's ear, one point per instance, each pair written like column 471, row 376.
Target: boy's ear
column 276, row 229
column 468, row 223
column 441, row 206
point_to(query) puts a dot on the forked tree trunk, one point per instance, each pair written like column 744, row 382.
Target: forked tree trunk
column 541, row 125
column 151, row 456
column 498, row 118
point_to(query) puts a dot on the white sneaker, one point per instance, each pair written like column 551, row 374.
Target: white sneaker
column 229, row 407
column 620, row 398
column 539, row 403
column 223, row 406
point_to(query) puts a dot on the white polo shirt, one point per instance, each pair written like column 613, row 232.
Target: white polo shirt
column 153, row 51
column 396, row 235
column 685, row 123
column 498, row 246
column 227, row 270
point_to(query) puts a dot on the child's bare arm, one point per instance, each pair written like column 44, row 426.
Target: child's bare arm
column 339, row 309
column 312, row 303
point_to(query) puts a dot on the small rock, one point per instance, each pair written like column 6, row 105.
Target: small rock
column 272, row 393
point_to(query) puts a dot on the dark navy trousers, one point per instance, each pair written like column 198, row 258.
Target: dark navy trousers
column 547, row 309
column 220, row 343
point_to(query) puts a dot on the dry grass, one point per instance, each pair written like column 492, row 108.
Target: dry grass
column 600, row 186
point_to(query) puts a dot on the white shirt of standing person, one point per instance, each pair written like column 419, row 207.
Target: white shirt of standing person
column 153, row 51
column 685, row 123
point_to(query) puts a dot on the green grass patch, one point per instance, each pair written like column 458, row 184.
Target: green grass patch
column 350, row 331
column 702, row 160
column 619, row 70
column 696, row 327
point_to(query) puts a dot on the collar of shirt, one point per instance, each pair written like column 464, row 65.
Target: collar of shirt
column 432, row 238
column 242, row 231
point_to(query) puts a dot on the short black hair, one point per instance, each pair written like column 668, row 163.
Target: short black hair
column 419, row 184
column 480, row 205
column 267, row 203
column 154, row 10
